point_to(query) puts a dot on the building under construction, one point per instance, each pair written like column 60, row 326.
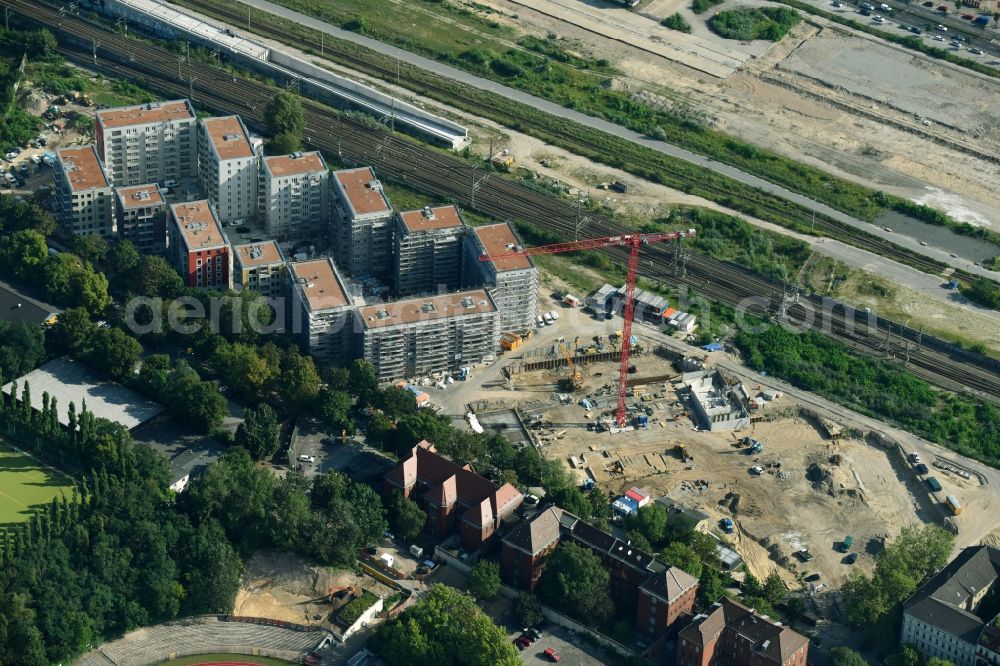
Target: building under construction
column 718, row 404
column 428, row 255
column 425, row 335
column 322, row 312
column 513, row 281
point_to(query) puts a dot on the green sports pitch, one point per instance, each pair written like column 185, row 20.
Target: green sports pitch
column 26, row 485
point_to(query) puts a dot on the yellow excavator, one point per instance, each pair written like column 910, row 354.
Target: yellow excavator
column 575, row 380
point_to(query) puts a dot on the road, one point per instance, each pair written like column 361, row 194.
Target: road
column 613, row 129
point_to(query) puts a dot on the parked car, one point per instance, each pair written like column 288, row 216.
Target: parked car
column 306, row 458
column 851, row 559
column 968, row 17
column 804, row 555
column 915, row 30
column 914, row 457
column 976, row 51
column 929, row 3
column 922, row 469
column 535, row 633
column 552, row 654
column 812, row 577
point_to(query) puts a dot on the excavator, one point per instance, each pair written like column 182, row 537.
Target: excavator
column 575, row 380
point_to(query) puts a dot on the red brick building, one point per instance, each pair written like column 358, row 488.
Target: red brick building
column 659, row 593
column 454, row 497
column 731, row 634
column 199, row 246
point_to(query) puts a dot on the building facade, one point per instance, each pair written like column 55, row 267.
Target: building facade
column 260, row 267
column 946, row 617
column 362, row 224
column 295, row 194
column 148, row 143
column 513, row 281
column 85, row 198
column 227, row 167
column 730, row 634
column 142, row 217
column 322, row 315
column 421, row 336
column 659, row 593
column 454, row 497
column 199, row 246
column 428, row 257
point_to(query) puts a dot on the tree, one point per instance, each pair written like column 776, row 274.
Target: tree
column 638, row 540
column 406, row 518
column 284, row 143
column 362, row 380
column 683, row 557
column 40, row 43
column 349, row 516
column 22, row 348
column 395, row 401
column 260, row 432
column 444, row 628
column 334, row 408
column 283, row 114
column 527, row 610
column 249, row 373
column 193, row 401
column 213, row 571
column 24, row 254
column 114, row 353
column 845, row 656
column 158, row 278
column 774, row 588
column 123, row 258
column 90, row 247
column 298, row 384
column 484, row 580
column 575, row 581
column 938, row 661
column 906, row 655
column 72, row 333
column 651, row 522
column 92, row 291
column 711, row 587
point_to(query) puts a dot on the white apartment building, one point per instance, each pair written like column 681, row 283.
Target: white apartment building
column 86, row 199
column 362, row 224
column 147, row 143
column 227, row 167
column 322, row 314
column 513, row 281
column 295, row 194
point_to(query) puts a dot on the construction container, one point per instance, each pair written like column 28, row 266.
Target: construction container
column 846, row 544
column 953, row 504
column 572, row 301
column 934, row 484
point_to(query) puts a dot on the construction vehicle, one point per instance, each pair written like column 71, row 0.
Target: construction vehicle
column 575, row 380
column 633, row 243
column 681, row 452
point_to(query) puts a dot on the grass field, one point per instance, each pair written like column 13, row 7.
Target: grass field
column 225, row 659
column 26, row 484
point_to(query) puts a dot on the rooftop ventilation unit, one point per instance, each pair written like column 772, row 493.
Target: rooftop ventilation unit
column 141, row 196
column 231, row 137
column 428, row 307
column 381, row 314
column 196, row 226
column 428, row 212
column 468, row 302
column 374, row 185
column 297, row 154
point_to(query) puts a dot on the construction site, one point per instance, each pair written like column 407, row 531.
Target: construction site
column 703, row 433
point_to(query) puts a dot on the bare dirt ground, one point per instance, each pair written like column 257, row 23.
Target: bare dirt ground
column 284, row 586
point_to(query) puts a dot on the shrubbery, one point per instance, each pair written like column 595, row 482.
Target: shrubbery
column 676, row 22
column 749, row 23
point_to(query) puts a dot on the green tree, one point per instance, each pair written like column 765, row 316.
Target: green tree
column 40, row 43
column 334, row 408
column 527, row 610
column 72, row 333
column 260, row 432
column 406, row 518
column 283, row 114
column 213, row 571
column 906, row 655
column 114, row 353
column 484, row 580
column 195, row 402
column 445, row 627
column 92, row 292
column 774, row 589
column 298, row 384
column 24, row 254
column 395, row 401
column 362, row 380
column 22, row 348
column 639, row 540
column 651, row 522
column 284, row 143
column 575, row 581
column 248, row 372
column 350, row 516
column 845, row 656
column 938, row 661
column 90, row 247
column 683, row 557
column 158, row 278
column 123, row 258
column 711, row 587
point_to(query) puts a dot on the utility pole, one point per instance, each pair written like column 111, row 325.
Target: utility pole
column 321, row 40
column 191, row 81
column 6, row 18
column 180, row 60
column 96, row 44
column 397, row 70
column 476, row 184
column 248, row 15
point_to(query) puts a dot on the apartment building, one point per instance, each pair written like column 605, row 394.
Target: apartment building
column 420, row 336
column 142, row 217
column 659, row 593
column 227, row 166
column 952, row 615
column 454, row 497
column 147, row 143
column 260, row 267
column 295, row 194
column 730, row 634
column 362, row 224
column 86, row 200
column 428, row 257
column 513, row 281
column 199, row 245
column 322, row 314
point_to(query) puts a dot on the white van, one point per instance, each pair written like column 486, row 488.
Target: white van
column 416, row 551
column 554, row 315
column 169, row 182
column 540, row 321
column 307, row 459
column 547, row 318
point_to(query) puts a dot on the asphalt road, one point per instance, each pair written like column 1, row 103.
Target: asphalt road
column 613, row 129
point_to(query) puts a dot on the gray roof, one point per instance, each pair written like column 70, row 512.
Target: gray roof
column 771, row 641
column 17, row 307
column 535, row 535
column 942, row 601
column 670, row 583
column 68, row 381
column 194, row 460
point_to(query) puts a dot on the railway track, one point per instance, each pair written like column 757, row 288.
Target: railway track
column 273, row 29
column 451, row 178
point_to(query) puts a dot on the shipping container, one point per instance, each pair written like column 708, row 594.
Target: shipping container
column 934, row 484
column 846, row 544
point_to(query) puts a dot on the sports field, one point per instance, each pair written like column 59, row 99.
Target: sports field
column 25, row 485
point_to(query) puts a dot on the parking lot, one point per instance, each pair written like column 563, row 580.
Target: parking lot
column 571, row 650
column 353, row 457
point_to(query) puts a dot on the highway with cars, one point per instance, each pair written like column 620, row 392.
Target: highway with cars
column 925, row 17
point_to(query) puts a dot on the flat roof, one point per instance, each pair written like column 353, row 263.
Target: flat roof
column 258, row 254
column 82, row 168
column 69, row 381
column 229, row 137
column 139, row 195
column 197, row 224
column 427, row 308
column 144, row 114
column 429, row 219
column 320, row 284
column 363, row 190
column 296, row 163
column 16, row 307
column 498, row 239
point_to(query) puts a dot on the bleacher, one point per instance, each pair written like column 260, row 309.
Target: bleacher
column 152, row 645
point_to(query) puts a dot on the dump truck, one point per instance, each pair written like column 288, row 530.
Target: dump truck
column 681, row 452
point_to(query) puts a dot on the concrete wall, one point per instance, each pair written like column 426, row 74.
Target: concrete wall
column 364, row 620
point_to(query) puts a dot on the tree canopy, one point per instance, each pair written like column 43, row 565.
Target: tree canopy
column 575, row 581
column 260, row 432
column 484, row 580
column 285, row 122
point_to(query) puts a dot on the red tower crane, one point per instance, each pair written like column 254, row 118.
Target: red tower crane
column 633, row 242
